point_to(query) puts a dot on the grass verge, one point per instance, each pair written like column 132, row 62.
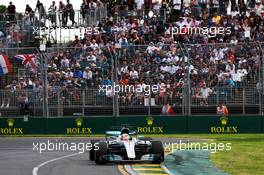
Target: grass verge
column 245, row 158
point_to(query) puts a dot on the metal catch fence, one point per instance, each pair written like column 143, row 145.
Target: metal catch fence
column 135, row 79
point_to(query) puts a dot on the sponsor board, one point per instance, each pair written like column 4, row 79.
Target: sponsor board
column 10, row 129
column 79, row 129
column 224, row 127
column 150, row 128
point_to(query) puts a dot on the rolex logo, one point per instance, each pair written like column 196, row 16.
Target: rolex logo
column 10, row 122
column 224, row 120
column 150, row 121
column 79, row 122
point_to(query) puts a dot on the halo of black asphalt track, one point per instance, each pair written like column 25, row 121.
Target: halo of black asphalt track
column 18, row 158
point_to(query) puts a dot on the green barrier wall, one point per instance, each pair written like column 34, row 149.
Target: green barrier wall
column 143, row 124
column 236, row 124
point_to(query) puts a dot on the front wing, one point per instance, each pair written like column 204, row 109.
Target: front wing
column 144, row 158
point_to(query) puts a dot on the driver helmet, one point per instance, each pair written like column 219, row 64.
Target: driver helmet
column 124, row 131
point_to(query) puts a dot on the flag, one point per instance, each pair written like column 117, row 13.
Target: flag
column 5, row 65
column 27, row 59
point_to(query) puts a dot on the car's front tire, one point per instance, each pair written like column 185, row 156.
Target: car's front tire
column 92, row 151
column 100, row 153
column 157, row 149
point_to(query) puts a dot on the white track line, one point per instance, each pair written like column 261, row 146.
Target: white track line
column 35, row 170
column 162, row 165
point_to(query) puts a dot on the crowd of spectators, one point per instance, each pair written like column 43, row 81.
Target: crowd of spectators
column 19, row 28
column 245, row 18
column 56, row 13
column 147, row 53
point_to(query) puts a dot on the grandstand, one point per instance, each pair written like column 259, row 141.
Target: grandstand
column 129, row 45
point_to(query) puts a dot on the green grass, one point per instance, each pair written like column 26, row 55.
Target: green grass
column 245, row 158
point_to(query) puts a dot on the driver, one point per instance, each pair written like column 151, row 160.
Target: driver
column 125, row 137
column 125, row 134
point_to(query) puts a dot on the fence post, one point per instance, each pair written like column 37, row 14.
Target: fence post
column 259, row 93
column 83, row 101
column 244, row 101
column 217, row 95
column 114, row 81
column 78, row 18
column 187, row 83
column 45, row 83
column 34, row 103
column 183, row 102
column 59, row 105
column 261, row 79
column 262, row 82
column 149, row 105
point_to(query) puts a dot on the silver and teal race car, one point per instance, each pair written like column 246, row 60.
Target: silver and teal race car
column 125, row 146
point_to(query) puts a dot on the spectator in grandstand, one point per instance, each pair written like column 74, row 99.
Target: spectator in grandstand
column 27, row 19
column 11, row 12
column 133, row 74
column 139, row 7
column 30, row 12
column 69, row 13
column 109, row 93
column 106, row 81
column 258, row 8
column 41, row 11
column 205, row 92
column 229, row 82
column 238, row 76
column 222, row 110
column 167, row 110
column 62, row 14
column 65, row 63
column 24, row 104
column 28, row 9
column 88, row 76
column 77, row 72
column 84, row 9
column 52, row 13
column 9, row 89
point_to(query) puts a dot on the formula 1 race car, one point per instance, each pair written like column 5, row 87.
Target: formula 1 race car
column 125, row 146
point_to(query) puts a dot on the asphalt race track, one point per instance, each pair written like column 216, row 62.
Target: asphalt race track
column 18, row 158
column 21, row 156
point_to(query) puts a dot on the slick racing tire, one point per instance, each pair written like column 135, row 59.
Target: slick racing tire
column 92, row 151
column 158, row 150
column 100, row 153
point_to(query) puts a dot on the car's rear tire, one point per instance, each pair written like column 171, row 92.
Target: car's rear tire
column 92, row 151
column 157, row 149
column 100, row 153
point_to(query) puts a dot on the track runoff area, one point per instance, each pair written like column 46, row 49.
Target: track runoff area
column 28, row 155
